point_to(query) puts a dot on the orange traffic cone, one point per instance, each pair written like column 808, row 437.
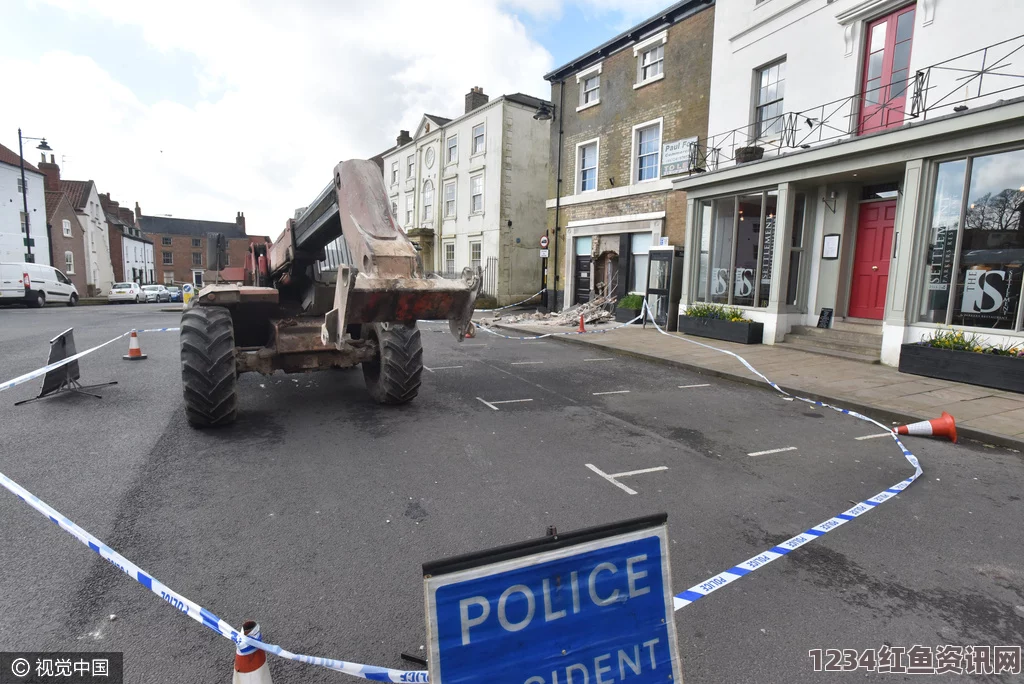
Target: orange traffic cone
column 251, row 662
column 943, row 426
column 582, row 327
column 134, row 350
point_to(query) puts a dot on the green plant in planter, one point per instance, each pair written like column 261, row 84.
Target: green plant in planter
column 633, row 301
column 716, row 311
column 958, row 340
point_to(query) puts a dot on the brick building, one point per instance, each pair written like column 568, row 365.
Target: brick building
column 67, row 240
column 131, row 255
column 180, row 245
column 625, row 113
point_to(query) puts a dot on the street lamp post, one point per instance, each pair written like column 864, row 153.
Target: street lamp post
column 24, row 190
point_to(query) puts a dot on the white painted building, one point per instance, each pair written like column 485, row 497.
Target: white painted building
column 12, row 221
column 470, row 191
column 137, row 257
column 86, row 200
column 863, row 156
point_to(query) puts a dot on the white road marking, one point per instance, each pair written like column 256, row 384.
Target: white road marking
column 473, row 344
column 880, row 434
column 771, row 451
column 639, row 472
column 598, row 359
column 706, row 384
column 615, row 392
column 442, row 368
column 525, row 363
column 610, row 478
column 491, row 404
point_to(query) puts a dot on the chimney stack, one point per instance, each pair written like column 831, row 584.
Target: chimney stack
column 240, row 221
column 403, row 138
column 475, row 98
column 51, row 174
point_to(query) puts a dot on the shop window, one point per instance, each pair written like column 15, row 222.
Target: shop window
column 705, row 251
column 977, row 240
column 639, row 249
column 737, row 249
column 796, row 251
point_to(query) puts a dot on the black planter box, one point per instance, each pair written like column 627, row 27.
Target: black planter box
column 744, row 332
column 626, row 315
column 973, row 368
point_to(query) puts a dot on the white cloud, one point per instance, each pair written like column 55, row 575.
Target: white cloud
column 288, row 90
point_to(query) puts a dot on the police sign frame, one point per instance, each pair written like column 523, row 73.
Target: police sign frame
column 587, row 606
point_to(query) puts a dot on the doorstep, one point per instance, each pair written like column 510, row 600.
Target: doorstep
column 882, row 392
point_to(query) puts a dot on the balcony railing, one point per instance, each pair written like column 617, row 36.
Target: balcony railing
column 938, row 89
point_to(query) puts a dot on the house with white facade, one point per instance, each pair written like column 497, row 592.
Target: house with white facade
column 131, row 253
column 864, row 159
column 469, row 191
column 86, row 201
column 12, row 211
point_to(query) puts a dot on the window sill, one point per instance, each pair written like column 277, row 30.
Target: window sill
column 477, row 154
column 476, row 213
column 588, row 105
column 649, row 81
column 646, row 180
column 586, row 192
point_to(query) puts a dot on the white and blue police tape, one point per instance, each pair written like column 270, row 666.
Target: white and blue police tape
column 32, row 375
column 509, row 306
column 702, row 589
column 194, row 610
column 552, row 334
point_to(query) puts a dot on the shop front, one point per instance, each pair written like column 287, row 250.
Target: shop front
column 894, row 235
column 608, row 256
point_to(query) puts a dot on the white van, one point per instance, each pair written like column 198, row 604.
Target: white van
column 35, row 285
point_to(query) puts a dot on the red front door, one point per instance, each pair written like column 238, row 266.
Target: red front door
column 886, row 77
column 871, row 259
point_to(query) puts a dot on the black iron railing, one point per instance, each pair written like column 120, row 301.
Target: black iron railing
column 942, row 88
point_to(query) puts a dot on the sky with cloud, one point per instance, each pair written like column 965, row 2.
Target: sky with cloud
column 202, row 108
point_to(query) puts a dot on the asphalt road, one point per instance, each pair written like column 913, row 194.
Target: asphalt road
column 315, row 511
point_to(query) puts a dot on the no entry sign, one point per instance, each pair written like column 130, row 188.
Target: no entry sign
column 588, row 607
column 543, row 241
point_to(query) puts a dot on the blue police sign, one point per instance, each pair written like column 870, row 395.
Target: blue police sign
column 590, row 607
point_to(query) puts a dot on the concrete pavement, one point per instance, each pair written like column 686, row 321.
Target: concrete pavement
column 987, row 415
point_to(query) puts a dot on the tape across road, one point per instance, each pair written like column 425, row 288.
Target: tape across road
column 370, row 672
column 712, row 584
column 32, row 375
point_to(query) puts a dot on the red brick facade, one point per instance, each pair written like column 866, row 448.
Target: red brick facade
column 179, row 254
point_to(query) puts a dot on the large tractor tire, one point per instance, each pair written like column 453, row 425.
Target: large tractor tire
column 208, row 376
column 394, row 376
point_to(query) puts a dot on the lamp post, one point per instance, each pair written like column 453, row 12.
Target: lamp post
column 24, row 189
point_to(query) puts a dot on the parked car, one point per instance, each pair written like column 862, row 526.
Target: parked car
column 176, row 295
column 126, row 292
column 156, row 293
column 35, row 285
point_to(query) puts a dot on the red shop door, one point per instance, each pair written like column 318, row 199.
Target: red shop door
column 886, row 77
column 871, row 259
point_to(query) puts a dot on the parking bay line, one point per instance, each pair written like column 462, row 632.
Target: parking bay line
column 771, row 451
column 440, row 368
column 608, row 359
column 491, row 404
column 614, row 392
column 525, row 363
column 611, row 478
column 875, row 436
column 706, row 384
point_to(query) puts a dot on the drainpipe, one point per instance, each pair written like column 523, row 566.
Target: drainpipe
column 558, row 197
